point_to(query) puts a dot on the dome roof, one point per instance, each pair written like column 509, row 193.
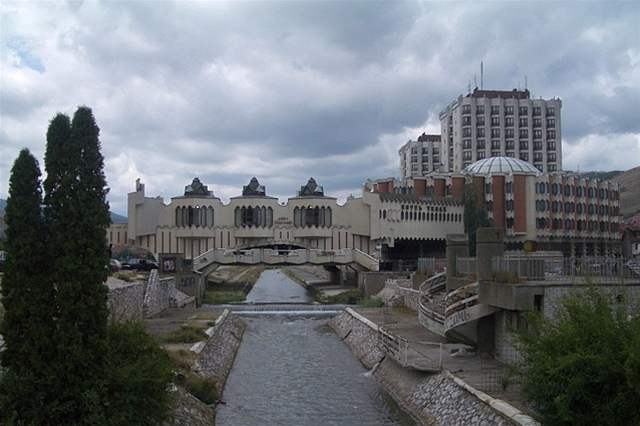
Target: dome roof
column 500, row 165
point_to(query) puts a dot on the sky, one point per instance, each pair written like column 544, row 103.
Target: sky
column 289, row 90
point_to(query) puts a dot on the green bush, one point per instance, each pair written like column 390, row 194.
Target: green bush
column 583, row 367
column 219, row 297
column 186, row 334
column 349, row 297
column 371, row 302
column 139, row 371
column 203, row 389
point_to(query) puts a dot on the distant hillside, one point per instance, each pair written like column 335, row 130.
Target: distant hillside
column 602, row 175
column 115, row 217
column 629, row 182
column 118, row 218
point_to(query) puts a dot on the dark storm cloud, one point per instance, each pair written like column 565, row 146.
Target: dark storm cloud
column 290, row 90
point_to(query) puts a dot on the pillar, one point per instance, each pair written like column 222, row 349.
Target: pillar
column 489, row 244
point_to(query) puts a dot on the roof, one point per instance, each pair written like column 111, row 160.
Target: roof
column 500, row 165
column 412, row 198
column 504, row 94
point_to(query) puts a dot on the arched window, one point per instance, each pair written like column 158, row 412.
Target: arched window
column 296, row 217
column 269, row 217
column 210, row 217
column 328, row 218
column 177, row 217
column 384, row 214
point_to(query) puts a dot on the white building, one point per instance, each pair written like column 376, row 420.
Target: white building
column 421, row 157
column 494, row 123
column 382, row 225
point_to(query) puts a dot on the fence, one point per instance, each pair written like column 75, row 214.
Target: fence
column 419, row 355
column 433, row 264
column 540, row 268
column 466, row 265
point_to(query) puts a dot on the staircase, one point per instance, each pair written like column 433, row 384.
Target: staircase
column 432, row 303
column 463, row 307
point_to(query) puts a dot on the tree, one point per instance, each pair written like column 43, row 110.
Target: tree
column 28, row 327
column 583, row 367
column 475, row 216
column 77, row 216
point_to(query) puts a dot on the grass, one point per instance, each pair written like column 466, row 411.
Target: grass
column 349, row 297
column 203, row 389
column 220, row 297
column 186, row 334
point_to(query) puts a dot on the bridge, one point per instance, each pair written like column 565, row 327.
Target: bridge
column 267, row 256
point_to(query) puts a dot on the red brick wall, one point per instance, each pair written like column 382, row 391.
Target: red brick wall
column 457, row 187
column 439, row 185
column 519, row 203
column 420, row 185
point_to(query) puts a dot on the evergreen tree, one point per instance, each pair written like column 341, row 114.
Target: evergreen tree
column 77, row 217
column 27, row 294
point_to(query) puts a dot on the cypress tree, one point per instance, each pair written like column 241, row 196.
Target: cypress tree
column 27, row 295
column 77, row 217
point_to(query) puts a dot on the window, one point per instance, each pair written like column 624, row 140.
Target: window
column 495, row 109
column 537, row 133
column 508, row 110
column 480, row 155
column 551, row 146
column 537, row 146
column 487, row 188
column 495, row 133
column 509, row 121
column 551, row 111
column 524, row 145
column 480, row 109
column 551, row 167
column 524, row 133
column 495, row 121
column 524, row 156
column 551, row 134
column 523, row 110
column 480, row 144
column 466, row 121
column 480, row 131
column 509, row 133
column 466, row 131
column 537, row 111
column 510, row 144
column 466, row 143
column 495, row 144
column 537, row 156
column 495, row 153
column 466, row 109
column 551, row 122
column 551, row 156
column 466, row 155
column 538, row 166
column 537, row 122
column 509, row 205
column 480, row 120
column 509, row 154
column 508, row 187
column 523, row 122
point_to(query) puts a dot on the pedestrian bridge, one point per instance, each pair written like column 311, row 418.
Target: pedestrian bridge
column 268, row 256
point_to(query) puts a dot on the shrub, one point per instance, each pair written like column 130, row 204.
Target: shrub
column 583, row 367
column 371, row 302
column 219, row 297
column 139, row 371
column 186, row 334
column 203, row 389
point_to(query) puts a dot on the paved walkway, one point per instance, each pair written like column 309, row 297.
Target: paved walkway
column 483, row 373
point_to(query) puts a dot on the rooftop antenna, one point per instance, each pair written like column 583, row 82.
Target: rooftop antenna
column 481, row 75
column 475, row 80
column 526, row 83
column 469, row 86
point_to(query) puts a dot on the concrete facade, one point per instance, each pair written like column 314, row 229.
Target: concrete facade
column 493, row 123
column 198, row 221
column 420, row 157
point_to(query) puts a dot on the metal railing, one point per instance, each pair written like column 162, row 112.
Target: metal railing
column 434, row 264
column 411, row 354
column 466, row 265
column 554, row 268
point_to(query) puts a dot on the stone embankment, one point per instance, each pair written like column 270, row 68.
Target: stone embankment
column 134, row 301
column 433, row 399
column 215, row 355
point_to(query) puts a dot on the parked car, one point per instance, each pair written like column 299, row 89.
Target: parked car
column 140, row 265
column 115, row 265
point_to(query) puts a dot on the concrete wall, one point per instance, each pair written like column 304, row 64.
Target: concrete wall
column 158, row 295
column 402, row 288
column 372, row 282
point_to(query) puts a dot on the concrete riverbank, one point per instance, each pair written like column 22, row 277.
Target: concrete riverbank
column 433, row 399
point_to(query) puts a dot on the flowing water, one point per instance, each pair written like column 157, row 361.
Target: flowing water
column 293, row 370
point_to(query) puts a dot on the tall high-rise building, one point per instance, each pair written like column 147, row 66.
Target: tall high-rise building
column 494, row 123
column 418, row 158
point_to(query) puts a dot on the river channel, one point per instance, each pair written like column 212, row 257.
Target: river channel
column 293, row 370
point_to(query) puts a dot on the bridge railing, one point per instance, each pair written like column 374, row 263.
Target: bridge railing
column 420, row 355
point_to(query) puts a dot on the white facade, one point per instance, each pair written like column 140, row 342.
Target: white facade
column 421, row 157
column 489, row 123
column 195, row 223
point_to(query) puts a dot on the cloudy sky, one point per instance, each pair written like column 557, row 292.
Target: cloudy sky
column 284, row 91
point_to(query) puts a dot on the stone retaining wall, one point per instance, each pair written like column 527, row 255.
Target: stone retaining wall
column 401, row 288
column 433, row 399
column 158, row 294
column 216, row 355
column 125, row 300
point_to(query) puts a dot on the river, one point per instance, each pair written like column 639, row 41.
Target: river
column 293, row 370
